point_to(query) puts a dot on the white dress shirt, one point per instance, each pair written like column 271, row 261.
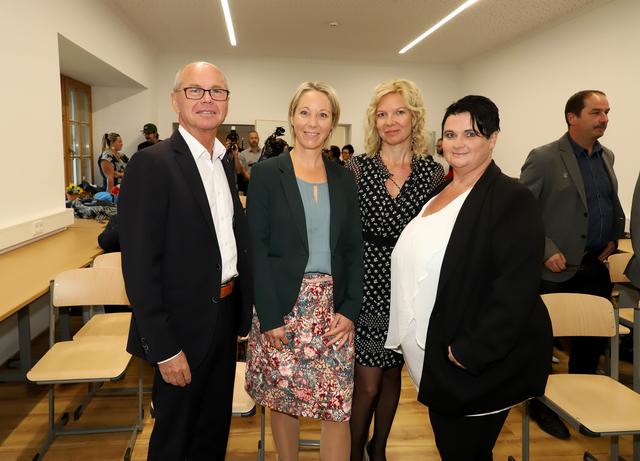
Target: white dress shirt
column 218, row 193
column 216, row 186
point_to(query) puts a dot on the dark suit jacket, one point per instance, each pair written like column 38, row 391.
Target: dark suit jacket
column 633, row 269
column 170, row 255
column 487, row 305
column 553, row 175
column 108, row 238
column 279, row 239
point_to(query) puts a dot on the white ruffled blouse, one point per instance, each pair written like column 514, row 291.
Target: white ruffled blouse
column 415, row 271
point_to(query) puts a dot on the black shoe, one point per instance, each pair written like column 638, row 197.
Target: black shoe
column 368, row 452
column 548, row 421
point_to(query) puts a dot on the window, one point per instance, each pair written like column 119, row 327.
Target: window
column 77, row 131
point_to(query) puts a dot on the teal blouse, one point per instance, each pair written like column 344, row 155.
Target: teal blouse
column 317, row 218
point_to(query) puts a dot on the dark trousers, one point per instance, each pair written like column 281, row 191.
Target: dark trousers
column 466, row 438
column 192, row 422
column 592, row 278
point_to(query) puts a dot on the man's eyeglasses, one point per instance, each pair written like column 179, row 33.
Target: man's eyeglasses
column 217, row 94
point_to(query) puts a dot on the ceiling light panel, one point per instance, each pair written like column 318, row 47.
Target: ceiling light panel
column 438, row 25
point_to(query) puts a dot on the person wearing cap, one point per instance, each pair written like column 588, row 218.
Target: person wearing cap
column 150, row 132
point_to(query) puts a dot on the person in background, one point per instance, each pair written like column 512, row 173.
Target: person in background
column 248, row 158
column 439, row 157
column 186, row 266
column 151, row 136
column 307, row 243
column 347, row 153
column 112, row 162
column 231, row 145
column 465, row 308
column 108, row 239
column 394, row 180
column 573, row 181
column 633, row 268
column 334, row 155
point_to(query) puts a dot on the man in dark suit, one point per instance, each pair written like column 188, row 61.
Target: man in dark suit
column 573, row 180
column 185, row 258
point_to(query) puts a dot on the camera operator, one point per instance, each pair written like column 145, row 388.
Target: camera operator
column 274, row 145
column 231, row 144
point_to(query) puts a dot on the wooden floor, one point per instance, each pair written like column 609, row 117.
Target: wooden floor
column 23, row 427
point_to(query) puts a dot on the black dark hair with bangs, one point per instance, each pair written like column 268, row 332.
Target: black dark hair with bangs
column 484, row 114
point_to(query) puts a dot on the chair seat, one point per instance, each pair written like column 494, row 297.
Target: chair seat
column 599, row 403
column 116, row 324
column 626, row 314
column 243, row 404
column 75, row 361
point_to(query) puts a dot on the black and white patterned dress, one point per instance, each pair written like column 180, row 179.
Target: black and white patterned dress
column 383, row 219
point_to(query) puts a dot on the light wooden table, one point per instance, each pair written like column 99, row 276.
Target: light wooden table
column 625, row 245
column 26, row 272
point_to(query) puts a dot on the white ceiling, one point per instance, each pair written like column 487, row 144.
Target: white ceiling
column 369, row 30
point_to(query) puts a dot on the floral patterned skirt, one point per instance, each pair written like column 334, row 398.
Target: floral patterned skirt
column 307, row 377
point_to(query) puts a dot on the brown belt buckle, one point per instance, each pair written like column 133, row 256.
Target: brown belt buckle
column 227, row 288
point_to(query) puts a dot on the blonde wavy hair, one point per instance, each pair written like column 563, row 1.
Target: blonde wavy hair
column 413, row 98
column 322, row 87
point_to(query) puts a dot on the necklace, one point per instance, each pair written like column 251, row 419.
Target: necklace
column 394, row 183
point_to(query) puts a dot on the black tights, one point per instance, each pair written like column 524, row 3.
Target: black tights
column 376, row 393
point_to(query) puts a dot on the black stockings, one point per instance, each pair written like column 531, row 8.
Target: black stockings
column 376, row 394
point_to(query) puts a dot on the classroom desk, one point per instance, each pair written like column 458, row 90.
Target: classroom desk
column 26, row 272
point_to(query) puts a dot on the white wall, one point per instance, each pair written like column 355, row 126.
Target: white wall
column 33, row 179
column 124, row 111
column 32, row 185
column 261, row 88
column 530, row 82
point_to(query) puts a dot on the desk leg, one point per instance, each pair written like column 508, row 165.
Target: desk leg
column 24, row 339
column 24, row 344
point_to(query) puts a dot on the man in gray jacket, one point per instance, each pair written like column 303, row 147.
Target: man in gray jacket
column 633, row 269
column 573, row 180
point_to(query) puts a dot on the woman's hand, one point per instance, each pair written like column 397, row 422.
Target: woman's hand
column 277, row 337
column 342, row 330
column 454, row 361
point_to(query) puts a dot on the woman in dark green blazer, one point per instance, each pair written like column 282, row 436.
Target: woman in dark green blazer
column 307, row 240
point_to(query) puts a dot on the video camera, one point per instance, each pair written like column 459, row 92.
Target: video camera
column 273, row 146
column 233, row 138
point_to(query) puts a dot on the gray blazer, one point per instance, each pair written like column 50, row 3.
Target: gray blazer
column 633, row 269
column 553, row 175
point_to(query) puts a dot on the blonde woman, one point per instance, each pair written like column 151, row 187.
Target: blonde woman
column 395, row 179
column 112, row 162
column 307, row 260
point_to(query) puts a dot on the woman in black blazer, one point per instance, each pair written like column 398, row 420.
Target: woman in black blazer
column 465, row 309
column 307, row 240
